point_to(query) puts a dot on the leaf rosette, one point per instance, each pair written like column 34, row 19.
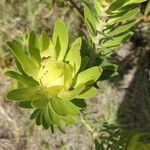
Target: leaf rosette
column 55, row 81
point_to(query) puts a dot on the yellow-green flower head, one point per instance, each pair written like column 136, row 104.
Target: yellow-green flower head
column 55, row 77
column 55, row 82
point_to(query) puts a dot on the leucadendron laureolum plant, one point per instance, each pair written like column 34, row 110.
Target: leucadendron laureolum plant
column 55, row 83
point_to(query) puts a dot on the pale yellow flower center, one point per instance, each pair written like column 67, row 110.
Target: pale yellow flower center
column 55, row 77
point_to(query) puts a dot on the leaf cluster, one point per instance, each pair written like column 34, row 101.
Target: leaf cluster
column 110, row 22
column 55, row 83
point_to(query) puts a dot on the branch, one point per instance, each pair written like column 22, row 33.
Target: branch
column 76, row 7
column 145, row 19
column 94, row 134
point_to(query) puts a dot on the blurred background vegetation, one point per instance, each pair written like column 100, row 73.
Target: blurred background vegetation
column 121, row 106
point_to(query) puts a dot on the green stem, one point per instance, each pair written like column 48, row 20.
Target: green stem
column 94, row 133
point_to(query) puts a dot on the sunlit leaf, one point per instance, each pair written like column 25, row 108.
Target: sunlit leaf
column 84, row 63
column 40, row 102
column 35, row 56
column 46, row 115
column 88, row 93
column 147, row 9
column 124, row 16
column 98, row 6
column 121, row 28
column 73, row 55
column 45, row 41
column 66, row 108
column 69, row 119
column 23, row 94
column 69, row 95
column 26, row 80
column 31, row 40
column 60, row 39
column 56, row 103
column 88, row 76
column 28, row 66
column 117, row 40
column 43, row 121
column 54, row 118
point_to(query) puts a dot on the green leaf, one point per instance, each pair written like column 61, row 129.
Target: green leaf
column 23, row 94
column 34, row 114
column 122, row 3
column 31, row 40
column 38, row 43
column 124, row 16
column 71, row 108
column 33, row 51
column 109, row 70
column 54, row 118
column 73, row 55
column 90, row 14
column 52, row 129
column 98, row 6
column 90, row 18
column 42, row 42
column 59, row 106
column 134, row 2
column 19, row 67
column 28, row 66
column 147, row 9
column 69, row 119
column 62, row 128
column 50, row 52
column 45, row 41
column 84, row 63
column 25, row 104
column 117, row 4
column 46, row 115
column 60, row 39
column 63, row 108
column 23, row 78
column 80, row 103
column 88, row 76
column 40, row 102
column 122, row 28
column 43, row 121
column 91, row 30
column 88, row 93
column 69, row 95
column 35, row 56
column 38, row 118
column 68, row 75
column 117, row 40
